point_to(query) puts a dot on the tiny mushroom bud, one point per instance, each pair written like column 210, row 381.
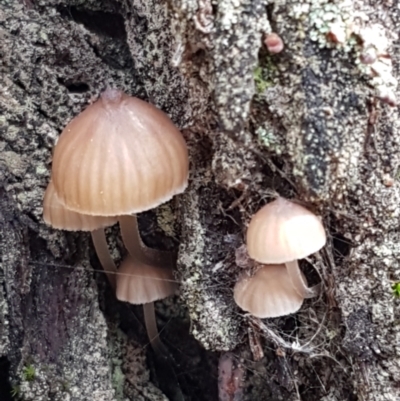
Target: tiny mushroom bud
column 274, row 43
column 282, row 232
column 58, row 216
column 368, row 56
column 141, row 283
column 268, row 293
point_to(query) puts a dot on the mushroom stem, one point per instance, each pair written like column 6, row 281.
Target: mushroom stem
column 139, row 252
column 136, row 248
column 131, row 237
column 152, row 330
column 298, row 281
column 101, row 247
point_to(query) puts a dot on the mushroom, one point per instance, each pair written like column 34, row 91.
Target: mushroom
column 141, row 283
column 61, row 218
column 120, row 156
column 274, row 43
column 283, row 232
column 267, row 293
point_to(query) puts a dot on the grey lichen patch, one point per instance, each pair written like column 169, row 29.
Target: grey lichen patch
column 269, row 140
column 128, row 375
column 213, row 41
column 340, row 25
column 37, row 386
column 320, row 144
column 152, row 45
column 234, row 165
column 237, row 39
column 211, row 324
column 67, row 367
column 4, row 323
column 33, row 387
column 211, row 311
column 4, row 310
column 371, row 314
column 166, row 220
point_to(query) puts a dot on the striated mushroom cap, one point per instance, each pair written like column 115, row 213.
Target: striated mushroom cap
column 121, row 155
column 139, row 283
column 283, row 231
column 269, row 293
column 55, row 214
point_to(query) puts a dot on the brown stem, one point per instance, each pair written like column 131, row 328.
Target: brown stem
column 152, row 330
column 298, row 281
column 136, row 248
column 138, row 251
column 101, row 247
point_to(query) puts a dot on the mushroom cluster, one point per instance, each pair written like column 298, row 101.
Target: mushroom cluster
column 119, row 157
column 122, row 156
column 279, row 234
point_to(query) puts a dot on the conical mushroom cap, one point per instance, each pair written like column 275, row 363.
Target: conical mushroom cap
column 121, row 155
column 283, row 231
column 58, row 216
column 268, row 293
column 139, row 283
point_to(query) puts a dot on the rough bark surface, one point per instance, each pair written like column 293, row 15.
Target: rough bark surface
column 316, row 123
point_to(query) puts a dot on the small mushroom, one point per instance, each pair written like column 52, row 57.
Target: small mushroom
column 58, row 216
column 268, row 293
column 140, row 283
column 274, row 43
column 283, row 232
column 120, row 156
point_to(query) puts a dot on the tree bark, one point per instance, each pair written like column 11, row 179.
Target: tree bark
column 317, row 122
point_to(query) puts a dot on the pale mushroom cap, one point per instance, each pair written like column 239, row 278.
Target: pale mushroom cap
column 139, row 283
column 268, row 293
column 121, row 155
column 58, row 216
column 274, row 43
column 283, row 231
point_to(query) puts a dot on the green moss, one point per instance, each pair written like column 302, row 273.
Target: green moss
column 15, row 391
column 261, row 84
column 265, row 74
column 396, row 290
column 64, row 386
column 118, row 381
column 29, row 373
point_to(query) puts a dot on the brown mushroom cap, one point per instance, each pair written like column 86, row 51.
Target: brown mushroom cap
column 268, row 293
column 283, row 231
column 58, row 216
column 121, row 155
column 140, row 283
